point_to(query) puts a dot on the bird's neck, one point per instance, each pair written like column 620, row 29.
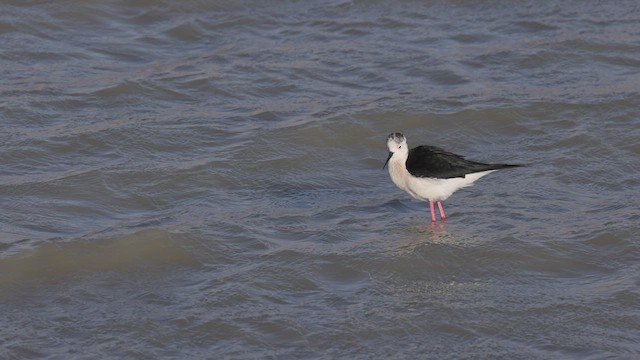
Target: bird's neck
column 398, row 170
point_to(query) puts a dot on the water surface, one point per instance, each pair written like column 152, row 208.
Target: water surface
column 203, row 180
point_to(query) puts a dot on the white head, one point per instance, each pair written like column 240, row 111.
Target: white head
column 397, row 144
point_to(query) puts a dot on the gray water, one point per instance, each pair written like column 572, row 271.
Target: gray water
column 203, row 180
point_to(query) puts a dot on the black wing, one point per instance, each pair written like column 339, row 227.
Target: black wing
column 433, row 162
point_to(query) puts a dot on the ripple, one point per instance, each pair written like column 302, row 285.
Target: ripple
column 53, row 262
column 195, row 177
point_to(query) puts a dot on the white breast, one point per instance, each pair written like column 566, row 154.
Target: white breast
column 398, row 173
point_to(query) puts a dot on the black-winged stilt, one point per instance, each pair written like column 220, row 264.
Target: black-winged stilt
column 429, row 173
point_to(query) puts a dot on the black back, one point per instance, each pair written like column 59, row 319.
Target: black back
column 433, row 162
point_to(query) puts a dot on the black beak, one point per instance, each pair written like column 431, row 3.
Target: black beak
column 385, row 163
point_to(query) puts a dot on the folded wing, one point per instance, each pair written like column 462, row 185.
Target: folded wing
column 433, row 162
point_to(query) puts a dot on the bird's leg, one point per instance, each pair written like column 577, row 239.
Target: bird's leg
column 432, row 211
column 442, row 215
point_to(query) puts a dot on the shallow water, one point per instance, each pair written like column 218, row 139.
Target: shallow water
column 189, row 180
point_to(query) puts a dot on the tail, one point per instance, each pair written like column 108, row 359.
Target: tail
column 504, row 166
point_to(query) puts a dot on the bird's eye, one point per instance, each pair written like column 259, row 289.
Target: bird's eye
column 400, row 147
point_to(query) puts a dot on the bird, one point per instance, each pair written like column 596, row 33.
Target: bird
column 429, row 173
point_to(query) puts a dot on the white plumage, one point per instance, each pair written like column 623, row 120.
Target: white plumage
column 431, row 174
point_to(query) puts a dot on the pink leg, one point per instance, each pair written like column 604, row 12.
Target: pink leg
column 432, row 211
column 442, row 215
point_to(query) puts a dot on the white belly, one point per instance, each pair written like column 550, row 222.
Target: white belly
column 429, row 188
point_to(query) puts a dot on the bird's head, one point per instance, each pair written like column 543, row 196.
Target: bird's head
column 397, row 144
